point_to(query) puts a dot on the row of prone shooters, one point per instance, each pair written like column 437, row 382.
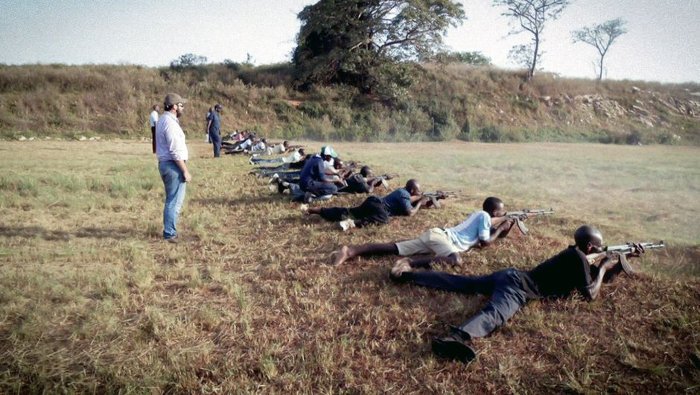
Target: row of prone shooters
column 583, row 266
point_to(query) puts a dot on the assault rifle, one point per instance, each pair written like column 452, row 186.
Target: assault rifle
column 388, row 176
column 621, row 251
column 433, row 197
column 522, row 215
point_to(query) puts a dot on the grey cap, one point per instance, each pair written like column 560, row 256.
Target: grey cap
column 172, row 99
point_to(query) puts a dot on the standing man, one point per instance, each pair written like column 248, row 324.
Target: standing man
column 214, row 128
column 172, row 162
column 153, row 120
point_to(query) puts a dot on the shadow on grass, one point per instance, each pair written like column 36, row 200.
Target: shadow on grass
column 244, row 200
column 89, row 232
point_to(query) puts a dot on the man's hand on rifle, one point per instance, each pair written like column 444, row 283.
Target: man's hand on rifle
column 507, row 223
column 638, row 250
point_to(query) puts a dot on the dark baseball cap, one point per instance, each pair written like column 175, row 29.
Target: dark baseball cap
column 172, row 99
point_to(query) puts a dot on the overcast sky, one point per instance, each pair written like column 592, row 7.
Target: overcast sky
column 663, row 43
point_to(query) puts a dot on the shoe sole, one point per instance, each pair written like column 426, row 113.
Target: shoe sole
column 453, row 350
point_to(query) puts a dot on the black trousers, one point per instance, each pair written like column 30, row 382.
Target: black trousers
column 153, row 138
column 371, row 211
column 508, row 291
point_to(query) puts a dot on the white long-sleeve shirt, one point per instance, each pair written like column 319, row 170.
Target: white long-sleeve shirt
column 293, row 158
column 153, row 119
column 170, row 139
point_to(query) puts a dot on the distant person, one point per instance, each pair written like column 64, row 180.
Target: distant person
column 313, row 179
column 214, row 129
column 206, row 124
column 374, row 210
column 172, row 162
column 511, row 289
column 153, row 119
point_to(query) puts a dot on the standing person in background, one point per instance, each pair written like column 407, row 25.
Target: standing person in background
column 172, row 162
column 153, row 119
column 206, row 124
column 214, row 128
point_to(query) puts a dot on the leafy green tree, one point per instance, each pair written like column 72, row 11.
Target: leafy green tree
column 601, row 36
column 474, row 58
column 530, row 16
column 188, row 60
column 366, row 43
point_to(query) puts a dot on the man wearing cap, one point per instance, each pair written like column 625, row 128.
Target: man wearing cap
column 172, row 162
column 214, row 127
column 313, row 180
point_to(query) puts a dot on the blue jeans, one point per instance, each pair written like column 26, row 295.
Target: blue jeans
column 266, row 161
column 506, row 288
column 320, row 188
column 175, row 186
column 215, row 138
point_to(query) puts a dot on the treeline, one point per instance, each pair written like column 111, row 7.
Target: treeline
column 445, row 101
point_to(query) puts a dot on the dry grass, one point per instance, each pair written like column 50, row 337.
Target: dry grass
column 445, row 102
column 91, row 300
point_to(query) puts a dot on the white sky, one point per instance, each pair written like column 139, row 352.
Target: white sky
column 663, row 43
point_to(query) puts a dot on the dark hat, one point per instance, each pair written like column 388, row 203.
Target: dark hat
column 218, row 107
column 172, row 99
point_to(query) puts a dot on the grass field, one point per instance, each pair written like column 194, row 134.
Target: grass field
column 91, row 299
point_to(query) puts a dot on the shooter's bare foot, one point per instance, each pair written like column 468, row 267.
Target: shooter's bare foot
column 340, row 256
column 401, row 266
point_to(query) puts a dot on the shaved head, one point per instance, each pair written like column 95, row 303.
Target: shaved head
column 586, row 235
column 413, row 187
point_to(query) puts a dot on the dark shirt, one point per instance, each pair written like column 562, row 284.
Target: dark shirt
column 298, row 165
column 398, row 202
column 215, row 125
column 356, row 184
column 313, row 171
column 560, row 275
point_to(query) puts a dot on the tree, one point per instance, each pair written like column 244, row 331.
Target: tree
column 473, row 58
column 601, row 36
column 521, row 55
column 364, row 43
column 186, row 61
column 531, row 16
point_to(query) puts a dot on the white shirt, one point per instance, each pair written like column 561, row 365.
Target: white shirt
column 293, row 158
column 476, row 227
column 154, row 118
column 260, row 146
column 170, row 139
column 278, row 149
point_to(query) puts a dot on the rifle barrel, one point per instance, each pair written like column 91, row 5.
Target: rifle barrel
column 629, row 247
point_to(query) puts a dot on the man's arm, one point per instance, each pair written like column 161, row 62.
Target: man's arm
column 593, row 289
column 416, row 203
column 183, row 167
column 502, row 229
